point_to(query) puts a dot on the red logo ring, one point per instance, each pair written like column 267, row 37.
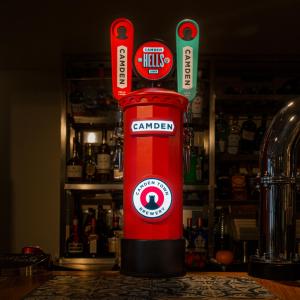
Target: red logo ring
column 155, row 190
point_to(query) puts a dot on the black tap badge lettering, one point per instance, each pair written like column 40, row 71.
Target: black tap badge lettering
column 152, row 198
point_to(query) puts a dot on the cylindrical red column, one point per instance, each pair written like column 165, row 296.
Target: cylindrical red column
column 153, row 131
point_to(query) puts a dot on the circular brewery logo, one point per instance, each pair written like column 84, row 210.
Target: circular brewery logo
column 153, row 60
column 152, row 198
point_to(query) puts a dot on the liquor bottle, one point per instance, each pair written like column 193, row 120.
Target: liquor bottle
column 200, row 239
column 239, row 184
column 102, row 230
column 90, row 165
column 103, row 168
column 260, row 132
column 113, row 236
column 190, row 176
column 75, row 245
column 74, row 165
column 199, row 165
column 118, row 161
column 76, row 100
column 223, row 231
column 247, row 141
column 189, row 235
column 223, row 185
column 87, row 226
column 93, row 239
column 221, row 133
column 234, row 137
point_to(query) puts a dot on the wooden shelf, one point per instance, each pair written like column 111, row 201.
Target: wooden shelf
column 119, row 187
column 93, row 186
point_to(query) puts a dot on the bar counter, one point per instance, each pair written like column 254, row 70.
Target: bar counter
column 17, row 287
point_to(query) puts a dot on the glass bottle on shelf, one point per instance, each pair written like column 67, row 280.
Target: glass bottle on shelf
column 234, row 137
column 188, row 235
column 223, row 230
column 200, row 237
column 199, row 165
column 239, row 183
column 90, row 165
column 102, row 230
column 260, row 132
column 75, row 245
column 76, row 98
column 118, row 161
column 113, row 235
column 74, row 165
column 221, row 133
column 247, row 141
column 93, row 239
column 190, row 176
column 103, row 168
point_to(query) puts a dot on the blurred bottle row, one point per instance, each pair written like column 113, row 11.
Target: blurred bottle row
column 95, row 161
column 94, row 232
column 290, row 86
column 238, row 182
column 236, row 135
column 196, row 242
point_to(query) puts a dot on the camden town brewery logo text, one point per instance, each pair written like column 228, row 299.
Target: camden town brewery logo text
column 152, row 198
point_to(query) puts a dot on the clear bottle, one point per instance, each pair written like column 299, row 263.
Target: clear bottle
column 234, row 137
column 200, row 237
column 189, row 235
column 113, row 235
column 190, row 176
column 118, row 161
column 75, row 244
column 102, row 230
column 260, row 132
column 103, row 168
column 90, row 165
column 247, row 141
column 199, row 165
column 221, row 133
column 74, row 165
column 223, row 231
column 93, row 239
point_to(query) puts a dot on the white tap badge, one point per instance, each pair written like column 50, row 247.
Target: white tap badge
column 152, row 198
column 122, row 67
column 187, row 67
column 152, row 126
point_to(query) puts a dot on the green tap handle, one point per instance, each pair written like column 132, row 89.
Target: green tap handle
column 187, row 47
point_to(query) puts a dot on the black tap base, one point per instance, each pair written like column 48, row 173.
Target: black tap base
column 152, row 258
column 274, row 271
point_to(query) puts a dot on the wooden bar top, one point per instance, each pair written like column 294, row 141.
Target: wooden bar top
column 16, row 287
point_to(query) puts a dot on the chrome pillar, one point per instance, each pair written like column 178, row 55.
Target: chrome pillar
column 276, row 257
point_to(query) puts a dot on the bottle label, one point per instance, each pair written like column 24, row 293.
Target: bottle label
column 112, row 243
column 74, row 171
column 75, row 248
column 248, row 135
column 233, row 140
column 232, row 149
column 93, row 244
column 103, row 163
column 118, row 175
column 221, row 146
column 238, row 182
column 90, row 170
